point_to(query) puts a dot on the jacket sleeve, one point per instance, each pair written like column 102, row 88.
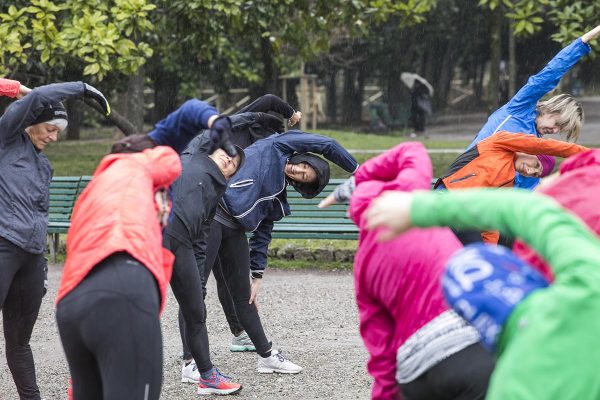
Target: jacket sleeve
column 377, row 331
column 547, row 79
column 259, row 246
column 581, row 160
column 300, row 142
column 9, row 88
column 269, row 102
column 536, row 219
column 405, row 167
column 22, row 113
column 533, row 145
column 183, row 124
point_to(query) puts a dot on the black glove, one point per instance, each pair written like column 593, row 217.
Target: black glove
column 93, row 93
column 271, row 122
column 219, row 136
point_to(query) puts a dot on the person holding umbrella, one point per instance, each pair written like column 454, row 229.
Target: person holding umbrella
column 420, row 100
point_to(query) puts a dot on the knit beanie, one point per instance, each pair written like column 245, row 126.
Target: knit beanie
column 54, row 113
column 484, row 283
column 548, row 163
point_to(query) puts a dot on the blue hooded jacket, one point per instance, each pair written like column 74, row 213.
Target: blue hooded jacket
column 519, row 114
column 256, row 195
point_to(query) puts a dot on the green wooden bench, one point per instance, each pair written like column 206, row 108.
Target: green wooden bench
column 63, row 192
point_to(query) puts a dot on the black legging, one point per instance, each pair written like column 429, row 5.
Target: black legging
column 187, row 285
column 21, row 291
column 231, row 247
column 464, row 375
column 110, row 330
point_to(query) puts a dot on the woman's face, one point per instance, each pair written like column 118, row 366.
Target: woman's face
column 546, row 124
column 41, row 134
column 528, row 165
column 300, row 172
column 228, row 165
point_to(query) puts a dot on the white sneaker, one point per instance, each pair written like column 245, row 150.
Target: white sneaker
column 241, row 343
column 277, row 363
column 190, row 373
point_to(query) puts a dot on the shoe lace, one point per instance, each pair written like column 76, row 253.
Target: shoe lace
column 280, row 357
column 221, row 376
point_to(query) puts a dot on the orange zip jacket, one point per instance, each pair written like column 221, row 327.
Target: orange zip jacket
column 116, row 212
column 9, row 88
column 491, row 162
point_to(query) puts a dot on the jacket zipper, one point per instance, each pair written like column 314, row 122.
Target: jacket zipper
column 472, row 174
column 245, row 182
column 242, row 215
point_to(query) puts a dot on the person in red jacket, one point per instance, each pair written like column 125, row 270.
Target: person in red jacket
column 116, row 276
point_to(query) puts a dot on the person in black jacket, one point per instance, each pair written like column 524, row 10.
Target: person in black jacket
column 195, row 197
column 27, row 126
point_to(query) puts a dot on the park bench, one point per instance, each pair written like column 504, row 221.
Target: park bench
column 63, row 192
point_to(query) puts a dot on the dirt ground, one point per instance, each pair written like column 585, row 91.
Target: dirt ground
column 311, row 316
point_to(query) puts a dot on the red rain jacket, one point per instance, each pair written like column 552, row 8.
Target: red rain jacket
column 116, row 212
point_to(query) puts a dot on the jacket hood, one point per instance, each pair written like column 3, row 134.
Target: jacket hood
column 321, row 167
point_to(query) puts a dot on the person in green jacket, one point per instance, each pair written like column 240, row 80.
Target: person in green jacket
column 547, row 345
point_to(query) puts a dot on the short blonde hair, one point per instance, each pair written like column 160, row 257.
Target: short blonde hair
column 569, row 112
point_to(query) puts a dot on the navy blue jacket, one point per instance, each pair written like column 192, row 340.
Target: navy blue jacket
column 25, row 171
column 256, row 194
column 183, row 124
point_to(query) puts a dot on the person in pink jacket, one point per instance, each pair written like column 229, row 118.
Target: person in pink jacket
column 418, row 347
column 576, row 188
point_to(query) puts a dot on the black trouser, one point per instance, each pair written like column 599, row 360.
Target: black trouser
column 21, row 291
column 230, row 247
column 187, row 284
column 464, row 375
column 110, row 330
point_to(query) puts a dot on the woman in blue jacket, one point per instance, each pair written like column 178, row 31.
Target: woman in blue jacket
column 253, row 200
column 526, row 114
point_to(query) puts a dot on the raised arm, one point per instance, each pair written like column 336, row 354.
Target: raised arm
column 300, row 142
column 538, row 220
column 22, row 113
column 533, row 145
column 591, row 35
column 269, row 102
column 9, row 88
column 547, row 79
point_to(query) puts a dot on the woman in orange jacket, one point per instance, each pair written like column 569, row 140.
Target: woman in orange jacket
column 494, row 162
column 116, row 276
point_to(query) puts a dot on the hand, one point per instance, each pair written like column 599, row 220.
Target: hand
column 94, row 94
column 219, row 133
column 327, row 201
column 590, row 35
column 163, row 205
column 295, row 118
column 254, row 287
column 547, row 181
column 390, row 210
column 23, row 91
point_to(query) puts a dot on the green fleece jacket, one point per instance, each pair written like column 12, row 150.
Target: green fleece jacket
column 549, row 347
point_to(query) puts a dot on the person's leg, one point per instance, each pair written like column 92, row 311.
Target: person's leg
column 20, row 310
column 86, row 381
column 186, row 283
column 235, row 272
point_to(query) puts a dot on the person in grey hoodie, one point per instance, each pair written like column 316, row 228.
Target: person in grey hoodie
column 27, row 126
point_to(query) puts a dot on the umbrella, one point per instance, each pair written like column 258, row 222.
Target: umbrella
column 409, row 78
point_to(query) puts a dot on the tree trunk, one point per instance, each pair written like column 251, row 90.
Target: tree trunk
column 269, row 67
column 331, row 94
column 166, row 88
column 512, row 63
column 135, row 99
column 75, row 112
column 495, row 51
column 352, row 97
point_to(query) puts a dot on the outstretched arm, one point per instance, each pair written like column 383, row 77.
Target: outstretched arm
column 300, row 142
column 533, row 145
column 554, row 233
column 11, row 88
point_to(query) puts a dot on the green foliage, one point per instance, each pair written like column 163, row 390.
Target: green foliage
column 101, row 36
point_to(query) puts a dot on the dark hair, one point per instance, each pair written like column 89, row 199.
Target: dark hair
column 133, row 144
column 309, row 190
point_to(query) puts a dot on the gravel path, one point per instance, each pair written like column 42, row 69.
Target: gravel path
column 310, row 315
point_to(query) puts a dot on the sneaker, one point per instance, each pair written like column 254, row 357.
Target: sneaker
column 242, row 343
column 277, row 363
column 190, row 373
column 218, row 384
